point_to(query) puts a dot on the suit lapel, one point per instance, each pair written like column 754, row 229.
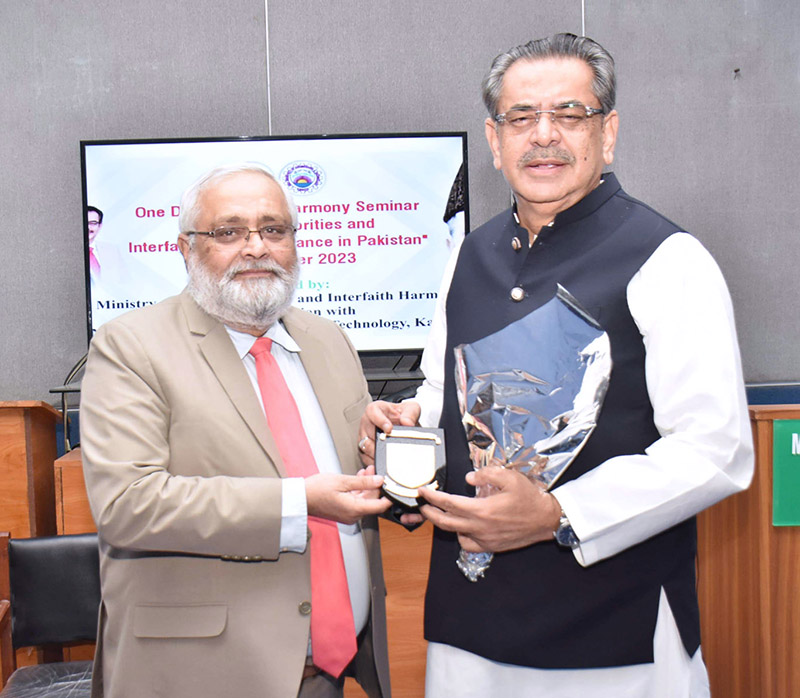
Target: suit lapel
column 314, row 356
column 221, row 355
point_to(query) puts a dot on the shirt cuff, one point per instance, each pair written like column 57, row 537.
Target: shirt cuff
column 583, row 552
column 294, row 515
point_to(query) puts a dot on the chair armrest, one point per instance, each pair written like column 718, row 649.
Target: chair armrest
column 8, row 659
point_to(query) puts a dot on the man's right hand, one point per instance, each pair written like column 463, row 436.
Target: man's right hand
column 383, row 415
column 344, row 498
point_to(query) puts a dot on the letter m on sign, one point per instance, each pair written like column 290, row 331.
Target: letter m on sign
column 795, row 444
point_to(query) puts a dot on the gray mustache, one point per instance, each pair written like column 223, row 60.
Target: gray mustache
column 557, row 154
column 265, row 265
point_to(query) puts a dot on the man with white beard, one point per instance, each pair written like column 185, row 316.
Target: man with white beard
column 219, row 437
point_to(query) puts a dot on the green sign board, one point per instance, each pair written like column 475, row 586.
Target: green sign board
column 786, row 472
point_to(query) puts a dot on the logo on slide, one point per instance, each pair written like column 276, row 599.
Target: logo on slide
column 303, row 177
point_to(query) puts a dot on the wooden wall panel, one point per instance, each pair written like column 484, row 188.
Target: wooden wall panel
column 747, row 583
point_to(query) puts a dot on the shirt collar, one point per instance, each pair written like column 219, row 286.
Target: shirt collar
column 277, row 333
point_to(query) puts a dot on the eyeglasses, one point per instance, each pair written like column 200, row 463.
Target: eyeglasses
column 236, row 235
column 567, row 117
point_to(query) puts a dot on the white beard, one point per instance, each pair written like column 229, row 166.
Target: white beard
column 250, row 303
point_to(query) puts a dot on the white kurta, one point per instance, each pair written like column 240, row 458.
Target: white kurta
column 682, row 307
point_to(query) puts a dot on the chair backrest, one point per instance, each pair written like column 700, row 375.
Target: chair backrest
column 54, row 589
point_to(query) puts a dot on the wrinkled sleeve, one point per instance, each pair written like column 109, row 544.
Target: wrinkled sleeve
column 430, row 394
column 681, row 305
column 136, row 500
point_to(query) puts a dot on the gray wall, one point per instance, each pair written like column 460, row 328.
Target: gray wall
column 708, row 101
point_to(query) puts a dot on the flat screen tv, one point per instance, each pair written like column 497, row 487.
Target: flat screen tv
column 378, row 217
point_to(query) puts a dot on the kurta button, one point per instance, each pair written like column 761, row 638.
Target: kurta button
column 305, row 608
column 517, row 294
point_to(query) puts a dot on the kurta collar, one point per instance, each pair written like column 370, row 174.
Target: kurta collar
column 585, row 207
column 591, row 202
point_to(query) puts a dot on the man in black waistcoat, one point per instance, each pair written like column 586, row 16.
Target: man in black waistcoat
column 591, row 592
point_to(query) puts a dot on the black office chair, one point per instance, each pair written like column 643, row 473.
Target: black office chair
column 49, row 598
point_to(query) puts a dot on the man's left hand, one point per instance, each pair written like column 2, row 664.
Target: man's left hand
column 516, row 514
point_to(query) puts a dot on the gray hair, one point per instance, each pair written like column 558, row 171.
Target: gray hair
column 190, row 201
column 604, row 85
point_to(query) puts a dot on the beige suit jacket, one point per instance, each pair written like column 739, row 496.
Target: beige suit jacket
column 178, row 458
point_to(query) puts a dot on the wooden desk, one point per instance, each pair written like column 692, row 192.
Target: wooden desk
column 27, row 451
column 27, row 492
column 72, row 507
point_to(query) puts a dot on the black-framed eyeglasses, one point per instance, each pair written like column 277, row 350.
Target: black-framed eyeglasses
column 565, row 116
column 273, row 233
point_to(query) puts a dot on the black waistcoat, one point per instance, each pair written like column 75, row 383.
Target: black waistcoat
column 537, row 606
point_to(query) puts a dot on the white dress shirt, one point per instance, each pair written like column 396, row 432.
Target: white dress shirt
column 680, row 303
column 294, row 523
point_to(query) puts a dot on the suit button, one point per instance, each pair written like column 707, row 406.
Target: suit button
column 517, row 294
column 305, row 608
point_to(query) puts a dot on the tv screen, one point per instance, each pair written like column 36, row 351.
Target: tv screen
column 378, row 217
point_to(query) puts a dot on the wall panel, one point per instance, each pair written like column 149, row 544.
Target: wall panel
column 708, row 99
column 94, row 69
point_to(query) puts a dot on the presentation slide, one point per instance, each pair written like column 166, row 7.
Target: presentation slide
column 378, row 217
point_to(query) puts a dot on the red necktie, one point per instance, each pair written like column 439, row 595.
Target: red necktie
column 333, row 635
column 94, row 265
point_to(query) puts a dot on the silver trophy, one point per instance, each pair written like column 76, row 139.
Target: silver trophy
column 530, row 395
